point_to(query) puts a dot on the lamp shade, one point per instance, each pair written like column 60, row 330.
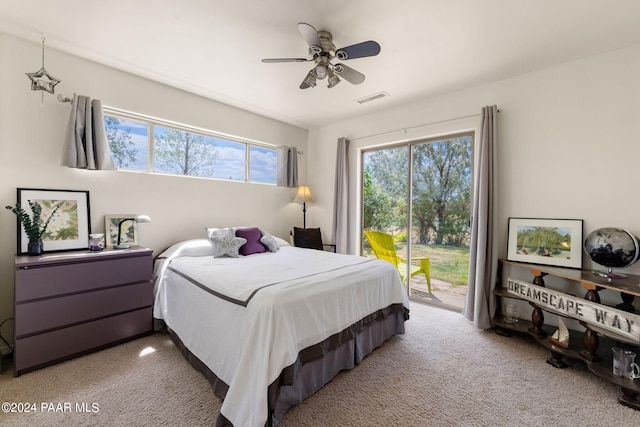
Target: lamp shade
column 142, row 218
column 303, row 195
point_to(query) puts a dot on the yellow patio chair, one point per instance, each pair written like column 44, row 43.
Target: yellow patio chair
column 384, row 248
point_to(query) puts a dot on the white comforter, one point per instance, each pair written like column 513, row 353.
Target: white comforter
column 267, row 308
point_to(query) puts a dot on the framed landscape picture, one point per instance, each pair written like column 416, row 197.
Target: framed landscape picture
column 555, row 242
column 129, row 229
column 70, row 225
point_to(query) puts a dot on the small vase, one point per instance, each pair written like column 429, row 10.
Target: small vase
column 35, row 247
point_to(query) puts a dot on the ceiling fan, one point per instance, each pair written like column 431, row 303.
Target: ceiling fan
column 322, row 51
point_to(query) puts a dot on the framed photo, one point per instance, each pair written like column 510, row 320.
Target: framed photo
column 129, row 229
column 69, row 227
column 556, row 242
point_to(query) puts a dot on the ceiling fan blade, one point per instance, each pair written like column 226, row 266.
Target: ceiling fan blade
column 274, row 60
column 359, row 50
column 349, row 74
column 309, row 80
column 311, row 36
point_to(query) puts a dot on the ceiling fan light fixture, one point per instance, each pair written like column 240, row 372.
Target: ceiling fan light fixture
column 332, row 80
column 320, row 71
column 309, row 81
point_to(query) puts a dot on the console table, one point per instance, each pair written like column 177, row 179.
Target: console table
column 593, row 345
column 68, row 304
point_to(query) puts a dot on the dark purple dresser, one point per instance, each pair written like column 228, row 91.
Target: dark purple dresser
column 69, row 304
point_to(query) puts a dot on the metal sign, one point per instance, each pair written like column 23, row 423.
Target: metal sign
column 603, row 317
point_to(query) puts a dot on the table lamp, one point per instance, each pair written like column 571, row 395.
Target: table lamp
column 138, row 218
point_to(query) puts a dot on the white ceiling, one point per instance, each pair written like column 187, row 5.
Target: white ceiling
column 429, row 47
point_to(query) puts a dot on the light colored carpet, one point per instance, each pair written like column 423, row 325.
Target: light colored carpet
column 442, row 372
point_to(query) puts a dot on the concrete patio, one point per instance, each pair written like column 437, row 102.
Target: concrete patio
column 443, row 295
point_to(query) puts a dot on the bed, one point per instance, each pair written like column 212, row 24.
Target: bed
column 268, row 329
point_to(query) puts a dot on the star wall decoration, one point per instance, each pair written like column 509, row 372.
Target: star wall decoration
column 42, row 80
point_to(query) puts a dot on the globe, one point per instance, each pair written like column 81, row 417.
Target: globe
column 612, row 248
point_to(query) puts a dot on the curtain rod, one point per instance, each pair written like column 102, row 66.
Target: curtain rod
column 419, row 126
column 297, row 151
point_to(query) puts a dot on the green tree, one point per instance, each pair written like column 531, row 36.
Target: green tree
column 122, row 148
column 387, row 171
column 548, row 239
column 378, row 212
column 390, row 168
column 184, row 153
column 441, row 190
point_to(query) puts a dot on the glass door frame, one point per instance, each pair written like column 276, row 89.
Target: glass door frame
column 409, row 217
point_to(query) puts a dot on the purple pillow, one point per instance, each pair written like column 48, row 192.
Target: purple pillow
column 253, row 245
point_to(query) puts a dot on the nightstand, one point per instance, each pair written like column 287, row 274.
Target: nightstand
column 69, row 304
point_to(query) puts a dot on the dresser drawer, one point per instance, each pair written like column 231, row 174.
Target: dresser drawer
column 66, row 343
column 54, row 313
column 51, row 280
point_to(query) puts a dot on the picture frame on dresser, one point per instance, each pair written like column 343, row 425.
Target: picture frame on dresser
column 68, row 229
column 129, row 229
column 556, row 242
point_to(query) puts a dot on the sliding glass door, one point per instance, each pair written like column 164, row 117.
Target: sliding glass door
column 420, row 194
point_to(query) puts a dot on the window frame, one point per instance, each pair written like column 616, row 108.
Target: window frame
column 151, row 122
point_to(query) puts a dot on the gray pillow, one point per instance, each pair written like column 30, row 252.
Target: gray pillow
column 269, row 241
column 226, row 243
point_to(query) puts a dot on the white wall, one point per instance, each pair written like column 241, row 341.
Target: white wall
column 569, row 143
column 31, row 140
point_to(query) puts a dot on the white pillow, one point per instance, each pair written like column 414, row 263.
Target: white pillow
column 195, row 247
column 281, row 242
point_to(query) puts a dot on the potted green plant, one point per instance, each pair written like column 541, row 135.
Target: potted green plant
column 33, row 226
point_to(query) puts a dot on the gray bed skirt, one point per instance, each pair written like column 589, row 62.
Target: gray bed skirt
column 316, row 365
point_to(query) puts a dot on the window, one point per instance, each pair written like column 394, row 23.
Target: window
column 144, row 144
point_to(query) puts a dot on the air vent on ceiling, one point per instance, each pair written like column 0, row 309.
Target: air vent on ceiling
column 372, row 97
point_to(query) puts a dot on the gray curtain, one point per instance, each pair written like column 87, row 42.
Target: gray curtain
column 287, row 167
column 480, row 304
column 341, row 213
column 86, row 145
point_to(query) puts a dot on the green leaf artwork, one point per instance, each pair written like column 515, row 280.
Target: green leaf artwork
column 63, row 225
